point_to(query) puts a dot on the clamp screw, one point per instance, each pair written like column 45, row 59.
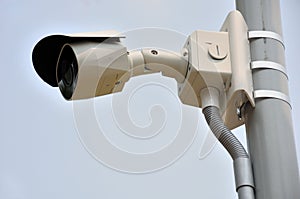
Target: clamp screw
column 216, row 52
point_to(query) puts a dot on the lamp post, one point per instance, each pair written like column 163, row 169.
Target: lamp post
column 269, row 125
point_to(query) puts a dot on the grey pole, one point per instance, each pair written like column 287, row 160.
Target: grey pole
column 269, row 125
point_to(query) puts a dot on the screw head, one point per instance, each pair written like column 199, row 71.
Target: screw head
column 154, row 52
column 217, row 52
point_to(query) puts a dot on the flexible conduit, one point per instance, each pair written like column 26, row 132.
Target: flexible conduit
column 242, row 164
column 223, row 134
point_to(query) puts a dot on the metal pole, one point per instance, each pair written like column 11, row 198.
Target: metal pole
column 269, row 125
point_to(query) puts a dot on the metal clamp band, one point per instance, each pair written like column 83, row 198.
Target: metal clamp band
column 265, row 34
column 272, row 94
column 270, row 65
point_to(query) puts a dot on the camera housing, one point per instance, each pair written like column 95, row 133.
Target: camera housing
column 75, row 63
column 87, row 65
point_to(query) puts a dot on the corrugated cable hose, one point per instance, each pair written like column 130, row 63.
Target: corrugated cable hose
column 223, row 134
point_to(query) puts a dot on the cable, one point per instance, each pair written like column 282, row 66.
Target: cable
column 223, row 134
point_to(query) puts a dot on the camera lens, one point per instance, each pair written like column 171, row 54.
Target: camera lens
column 67, row 69
column 67, row 73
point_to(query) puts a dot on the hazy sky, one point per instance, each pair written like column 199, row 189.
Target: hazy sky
column 42, row 155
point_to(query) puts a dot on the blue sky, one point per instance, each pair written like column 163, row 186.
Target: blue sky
column 41, row 153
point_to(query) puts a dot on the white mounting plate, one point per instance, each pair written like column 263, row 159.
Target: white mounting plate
column 241, row 89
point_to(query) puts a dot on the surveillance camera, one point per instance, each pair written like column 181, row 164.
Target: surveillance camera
column 94, row 64
column 88, row 69
column 87, row 65
column 75, row 63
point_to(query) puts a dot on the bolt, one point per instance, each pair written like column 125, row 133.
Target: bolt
column 239, row 113
column 184, row 52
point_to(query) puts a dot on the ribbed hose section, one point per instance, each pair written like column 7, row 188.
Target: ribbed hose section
column 223, row 134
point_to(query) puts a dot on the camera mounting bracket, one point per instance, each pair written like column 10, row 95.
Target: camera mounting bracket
column 220, row 60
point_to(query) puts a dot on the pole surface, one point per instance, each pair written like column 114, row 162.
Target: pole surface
column 269, row 125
